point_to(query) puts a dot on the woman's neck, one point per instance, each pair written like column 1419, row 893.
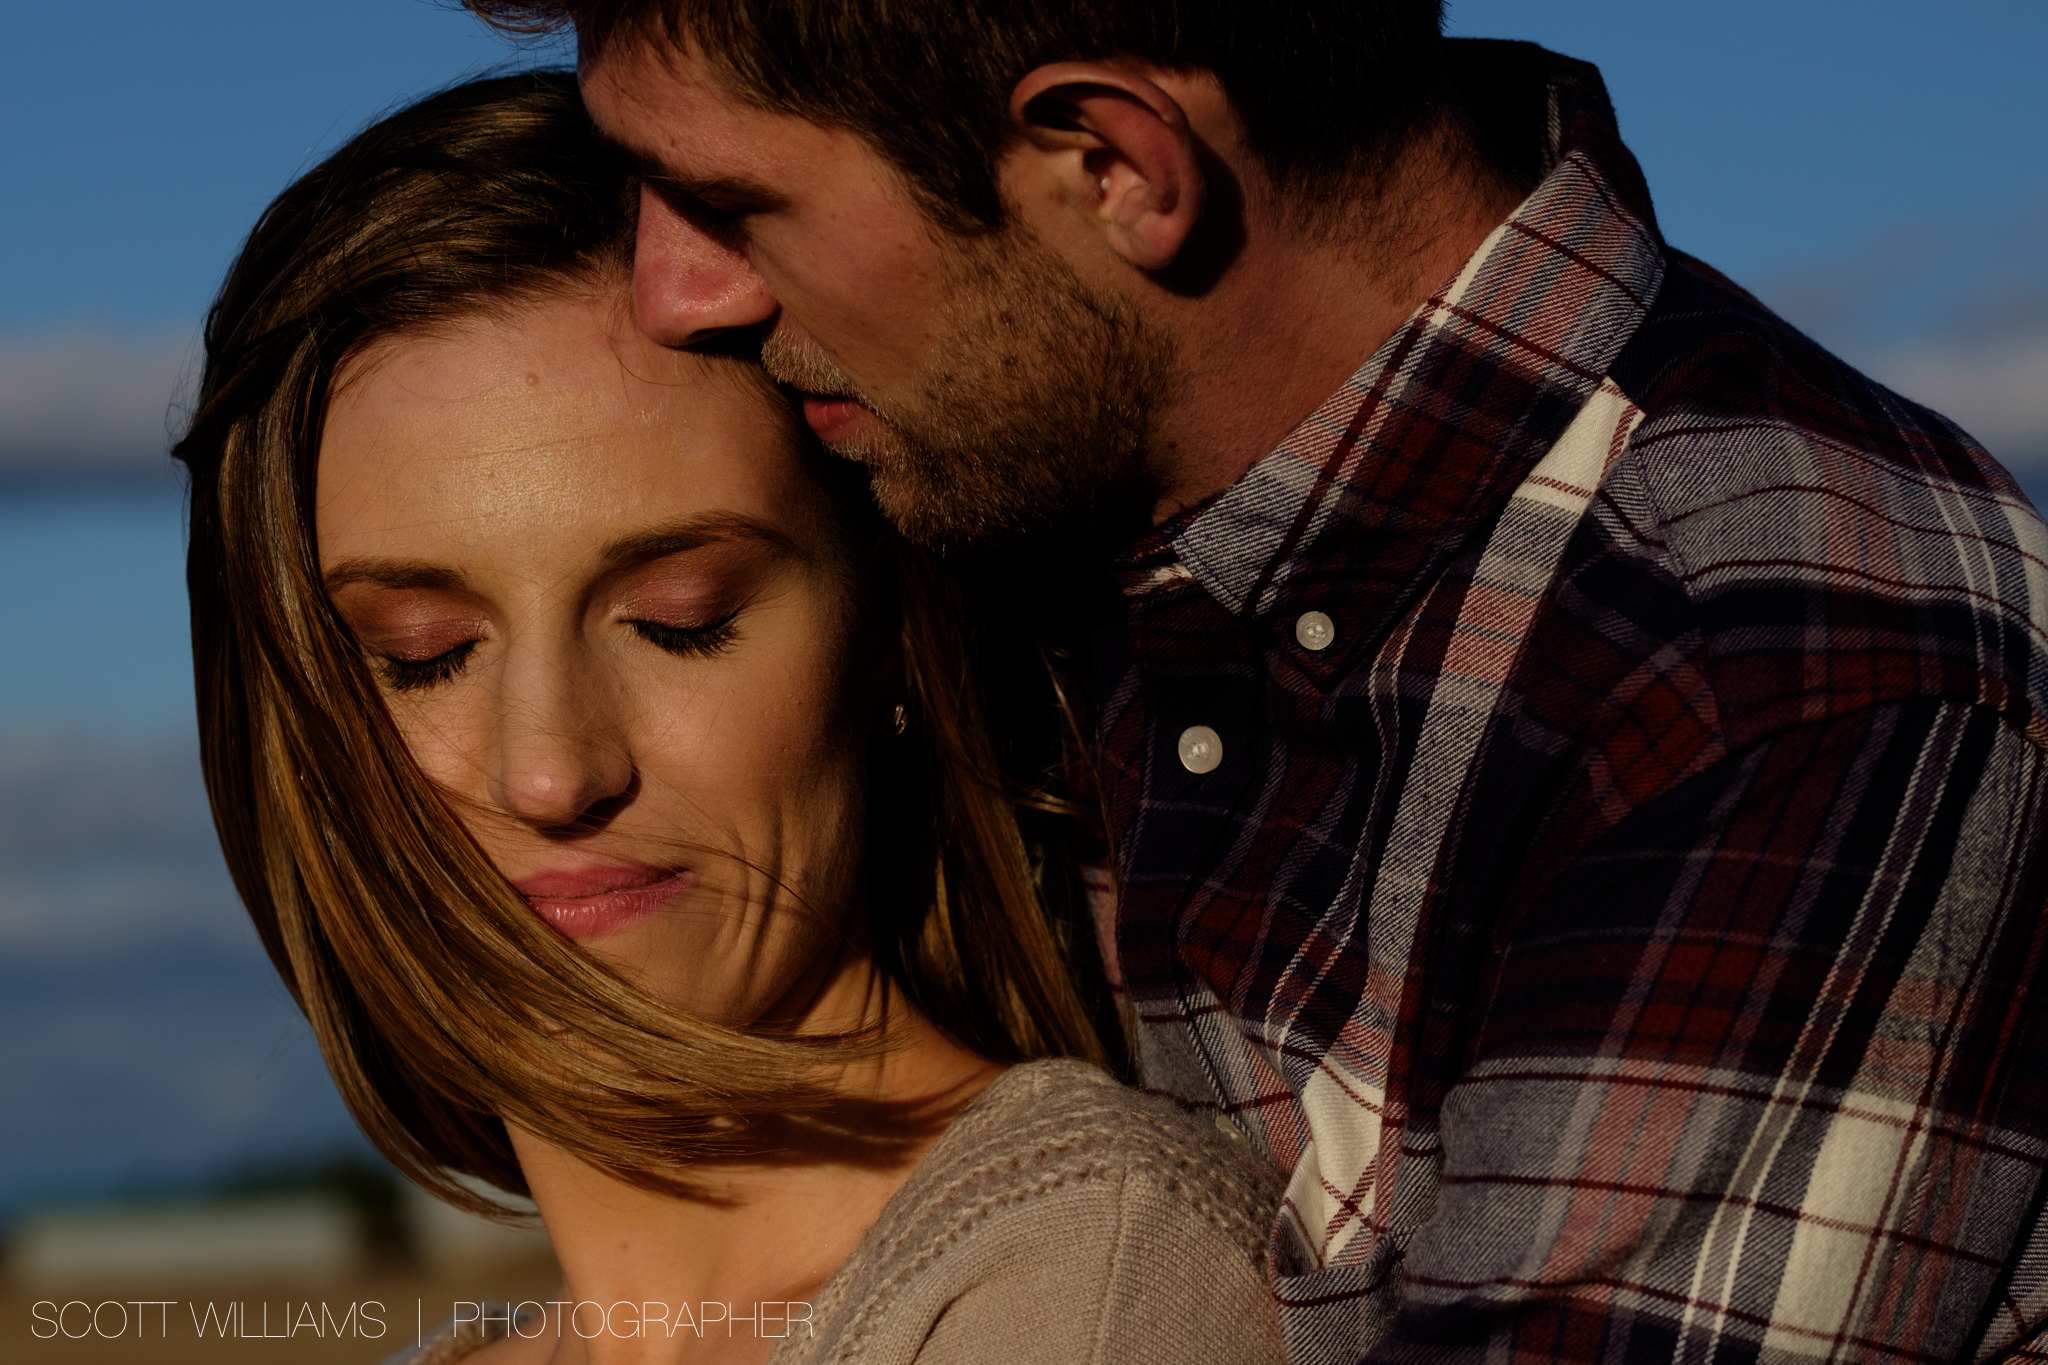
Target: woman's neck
column 694, row 1273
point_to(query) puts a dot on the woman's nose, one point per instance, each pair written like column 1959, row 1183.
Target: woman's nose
column 688, row 285
column 558, row 762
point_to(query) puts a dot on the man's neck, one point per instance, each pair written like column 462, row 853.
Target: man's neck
column 1300, row 308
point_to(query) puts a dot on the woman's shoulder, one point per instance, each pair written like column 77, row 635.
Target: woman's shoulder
column 1061, row 1129
column 1063, row 1216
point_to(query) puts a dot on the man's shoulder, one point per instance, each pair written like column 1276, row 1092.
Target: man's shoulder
column 1805, row 510
column 1736, row 401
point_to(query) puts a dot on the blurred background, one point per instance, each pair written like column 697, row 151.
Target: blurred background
column 167, row 1131
column 1877, row 171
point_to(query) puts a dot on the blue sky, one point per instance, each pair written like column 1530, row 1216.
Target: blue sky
column 144, row 137
column 1778, row 134
column 92, row 595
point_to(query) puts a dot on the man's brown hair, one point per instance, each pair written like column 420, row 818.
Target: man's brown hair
column 443, row 1005
column 1327, row 89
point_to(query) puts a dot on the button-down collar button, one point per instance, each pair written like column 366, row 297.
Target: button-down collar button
column 1201, row 749
column 1314, row 630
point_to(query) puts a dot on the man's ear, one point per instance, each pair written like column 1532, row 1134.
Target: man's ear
column 1118, row 149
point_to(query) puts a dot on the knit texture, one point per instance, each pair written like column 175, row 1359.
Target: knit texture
column 1062, row 1219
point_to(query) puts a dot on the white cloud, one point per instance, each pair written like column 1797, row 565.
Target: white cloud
column 1996, row 389
column 84, row 403
column 1950, row 313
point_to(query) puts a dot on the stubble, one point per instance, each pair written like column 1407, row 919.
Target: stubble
column 1036, row 415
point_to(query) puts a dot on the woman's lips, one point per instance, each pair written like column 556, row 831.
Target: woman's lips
column 583, row 902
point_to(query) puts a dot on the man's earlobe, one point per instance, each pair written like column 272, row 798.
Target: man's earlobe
column 1118, row 149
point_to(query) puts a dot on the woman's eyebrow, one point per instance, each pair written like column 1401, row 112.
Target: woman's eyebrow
column 693, row 533
column 391, row 573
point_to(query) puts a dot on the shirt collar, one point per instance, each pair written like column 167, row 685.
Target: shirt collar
column 1436, row 429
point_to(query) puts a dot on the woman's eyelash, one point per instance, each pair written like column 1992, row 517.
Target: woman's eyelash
column 406, row 675
column 688, row 641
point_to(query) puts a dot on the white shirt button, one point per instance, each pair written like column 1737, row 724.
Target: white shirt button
column 1314, row 630
column 1201, row 749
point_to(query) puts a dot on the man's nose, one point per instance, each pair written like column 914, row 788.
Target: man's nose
column 688, row 284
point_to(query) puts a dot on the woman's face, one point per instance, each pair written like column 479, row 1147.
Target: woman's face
column 608, row 609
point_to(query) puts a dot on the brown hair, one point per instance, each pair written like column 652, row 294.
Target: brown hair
column 1327, row 89
column 442, row 1004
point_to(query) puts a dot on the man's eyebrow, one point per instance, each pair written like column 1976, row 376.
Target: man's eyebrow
column 390, row 573
column 693, row 533
column 712, row 191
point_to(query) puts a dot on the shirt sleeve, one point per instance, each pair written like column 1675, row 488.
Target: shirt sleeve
column 1763, row 1075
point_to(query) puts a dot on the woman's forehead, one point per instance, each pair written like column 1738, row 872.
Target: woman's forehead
column 552, row 420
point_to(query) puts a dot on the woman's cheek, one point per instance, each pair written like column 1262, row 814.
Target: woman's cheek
column 811, row 761
column 781, row 714
column 448, row 741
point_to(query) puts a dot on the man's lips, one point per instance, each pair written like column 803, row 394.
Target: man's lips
column 833, row 417
column 581, row 902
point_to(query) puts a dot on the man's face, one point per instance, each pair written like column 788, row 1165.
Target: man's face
column 987, row 387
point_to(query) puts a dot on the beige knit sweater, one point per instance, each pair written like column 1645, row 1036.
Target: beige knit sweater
column 1062, row 1219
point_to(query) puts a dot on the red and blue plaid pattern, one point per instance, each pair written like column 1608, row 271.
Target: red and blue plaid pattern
column 1625, row 926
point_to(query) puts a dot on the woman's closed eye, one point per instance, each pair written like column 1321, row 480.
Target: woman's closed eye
column 408, row 675
column 689, row 642
column 414, row 635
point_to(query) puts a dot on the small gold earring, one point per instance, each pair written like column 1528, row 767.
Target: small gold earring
column 899, row 719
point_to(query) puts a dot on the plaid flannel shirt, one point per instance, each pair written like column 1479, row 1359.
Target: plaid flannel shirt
column 1620, row 908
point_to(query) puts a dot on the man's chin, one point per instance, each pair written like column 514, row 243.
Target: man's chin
column 925, row 516
column 948, row 499
column 947, row 519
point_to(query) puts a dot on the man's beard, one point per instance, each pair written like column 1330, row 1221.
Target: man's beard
column 1038, row 414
